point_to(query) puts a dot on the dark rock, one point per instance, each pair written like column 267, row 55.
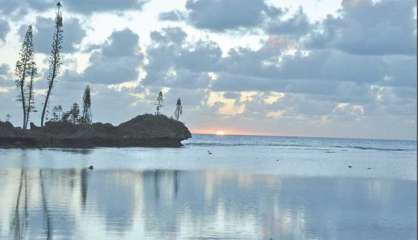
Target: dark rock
column 91, row 167
column 141, row 131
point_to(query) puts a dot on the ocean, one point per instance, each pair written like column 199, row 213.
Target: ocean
column 215, row 187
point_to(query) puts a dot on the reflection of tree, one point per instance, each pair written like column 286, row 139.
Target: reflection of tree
column 45, row 208
column 84, row 187
column 176, row 183
column 157, row 185
column 18, row 226
column 26, row 198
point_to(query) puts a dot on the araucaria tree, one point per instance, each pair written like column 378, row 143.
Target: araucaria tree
column 87, row 118
column 159, row 104
column 23, row 69
column 54, row 59
column 57, row 113
column 75, row 113
column 179, row 110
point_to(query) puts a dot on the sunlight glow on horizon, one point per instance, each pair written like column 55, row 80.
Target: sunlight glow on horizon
column 220, row 133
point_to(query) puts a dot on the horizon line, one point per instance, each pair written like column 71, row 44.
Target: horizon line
column 298, row 136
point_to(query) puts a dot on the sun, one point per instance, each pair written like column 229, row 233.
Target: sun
column 220, row 133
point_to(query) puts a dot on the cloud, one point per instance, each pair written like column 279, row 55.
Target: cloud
column 4, row 76
column 4, row 29
column 174, row 62
column 369, row 27
column 90, row 6
column 174, row 15
column 21, row 7
column 78, row 6
column 320, row 71
column 224, row 15
column 45, row 27
column 296, row 25
column 117, row 61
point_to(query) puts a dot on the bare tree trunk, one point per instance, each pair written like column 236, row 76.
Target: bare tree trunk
column 30, row 96
column 51, row 84
column 22, row 95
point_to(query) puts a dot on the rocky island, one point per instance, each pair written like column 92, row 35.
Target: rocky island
column 142, row 131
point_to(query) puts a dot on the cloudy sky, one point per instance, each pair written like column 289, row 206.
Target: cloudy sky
column 324, row 68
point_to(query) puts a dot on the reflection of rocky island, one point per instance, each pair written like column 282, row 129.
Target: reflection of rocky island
column 142, row 131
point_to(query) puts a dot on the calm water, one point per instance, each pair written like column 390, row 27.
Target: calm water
column 213, row 188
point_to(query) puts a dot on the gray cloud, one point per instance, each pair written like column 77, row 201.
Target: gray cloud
column 117, row 61
column 319, row 72
column 174, row 15
column 79, row 6
column 175, row 63
column 228, row 14
column 297, row 25
column 369, row 28
column 4, row 29
column 89, row 6
column 73, row 34
column 4, row 69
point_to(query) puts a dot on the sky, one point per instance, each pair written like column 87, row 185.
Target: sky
column 320, row 68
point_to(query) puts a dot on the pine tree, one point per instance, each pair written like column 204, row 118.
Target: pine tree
column 87, row 118
column 54, row 59
column 57, row 113
column 75, row 113
column 179, row 110
column 23, row 67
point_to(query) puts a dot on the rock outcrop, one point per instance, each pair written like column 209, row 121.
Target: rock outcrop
column 142, row 131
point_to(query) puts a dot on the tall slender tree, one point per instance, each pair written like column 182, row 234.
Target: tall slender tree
column 179, row 110
column 159, row 104
column 23, row 66
column 87, row 118
column 75, row 113
column 30, row 106
column 55, row 58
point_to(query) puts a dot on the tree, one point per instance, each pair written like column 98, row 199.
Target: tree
column 54, row 59
column 179, row 110
column 23, row 67
column 8, row 117
column 87, row 118
column 75, row 113
column 57, row 113
column 30, row 106
column 159, row 104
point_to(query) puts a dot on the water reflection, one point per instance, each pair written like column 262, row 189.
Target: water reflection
column 169, row 204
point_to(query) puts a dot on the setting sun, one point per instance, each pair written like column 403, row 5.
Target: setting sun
column 220, row 133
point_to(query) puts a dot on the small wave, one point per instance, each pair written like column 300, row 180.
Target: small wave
column 306, row 146
column 375, row 148
column 245, row 144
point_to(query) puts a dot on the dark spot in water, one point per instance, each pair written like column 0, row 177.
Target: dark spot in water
column 91, row 167
column 349, row 166
column 369, row 168
column 209, row 152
